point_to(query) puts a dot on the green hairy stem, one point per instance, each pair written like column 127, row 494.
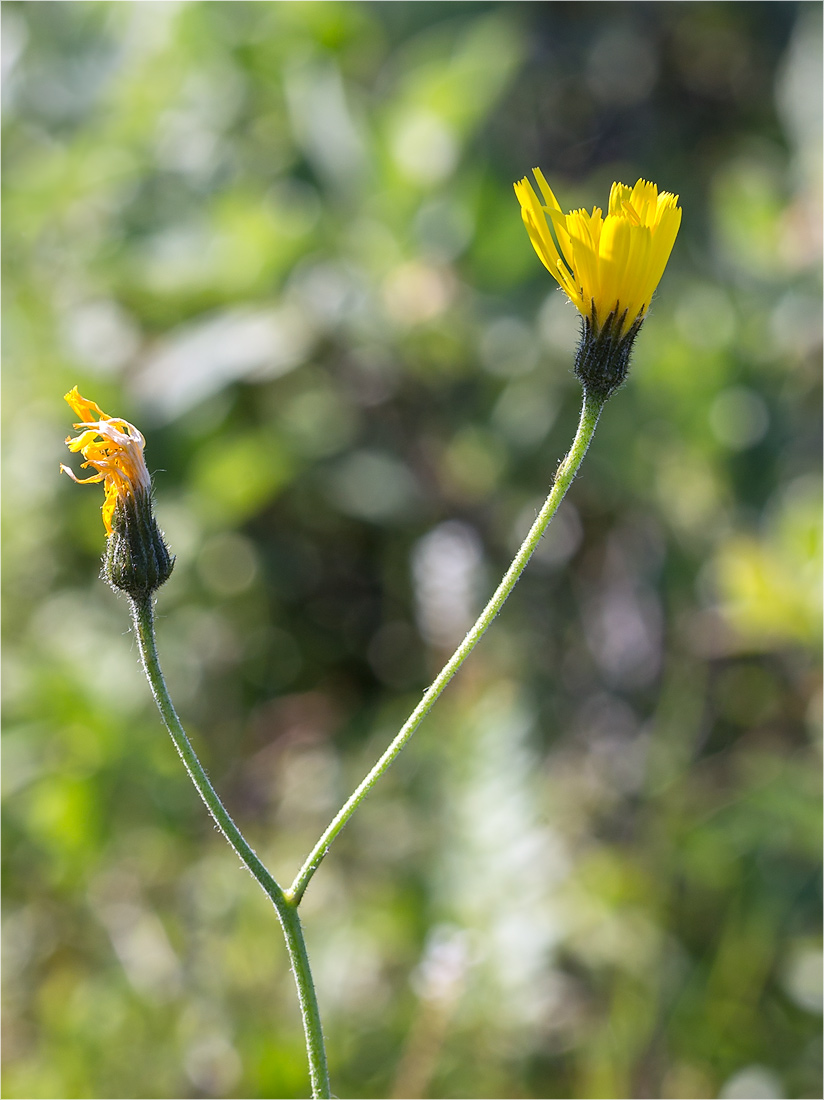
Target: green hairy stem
column 143, row 617
column 286, row 902
column 567, row 470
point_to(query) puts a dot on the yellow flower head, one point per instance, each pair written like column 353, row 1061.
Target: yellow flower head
column 607, row 265
column 114, row 448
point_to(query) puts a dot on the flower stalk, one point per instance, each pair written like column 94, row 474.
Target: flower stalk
column 137, row 561
column 590, row 412
column 143, row 619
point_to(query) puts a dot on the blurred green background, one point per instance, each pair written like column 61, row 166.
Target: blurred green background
column 282, row 239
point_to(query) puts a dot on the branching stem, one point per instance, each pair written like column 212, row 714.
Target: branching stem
column 286, row 901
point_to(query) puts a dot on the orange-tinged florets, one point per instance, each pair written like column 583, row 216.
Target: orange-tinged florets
column 113, row 448
column 607, row 265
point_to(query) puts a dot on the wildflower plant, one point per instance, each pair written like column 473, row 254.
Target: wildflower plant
column 609, row 267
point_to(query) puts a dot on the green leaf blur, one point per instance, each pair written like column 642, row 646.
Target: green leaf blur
column 281, row 238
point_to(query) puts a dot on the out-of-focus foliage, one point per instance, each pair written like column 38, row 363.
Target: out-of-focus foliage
column 282, row 239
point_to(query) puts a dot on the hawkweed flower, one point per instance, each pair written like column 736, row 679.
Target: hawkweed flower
column 608, row 266
column 137, row 559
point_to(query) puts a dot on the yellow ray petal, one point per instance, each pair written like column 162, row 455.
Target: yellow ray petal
column 536, row 225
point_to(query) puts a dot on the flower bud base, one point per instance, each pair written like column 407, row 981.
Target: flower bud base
column 602, row 358
column 137, row 560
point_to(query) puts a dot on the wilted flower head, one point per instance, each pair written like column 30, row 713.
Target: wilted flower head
column 137, row 559
column 607, row 265
column 111, row 446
